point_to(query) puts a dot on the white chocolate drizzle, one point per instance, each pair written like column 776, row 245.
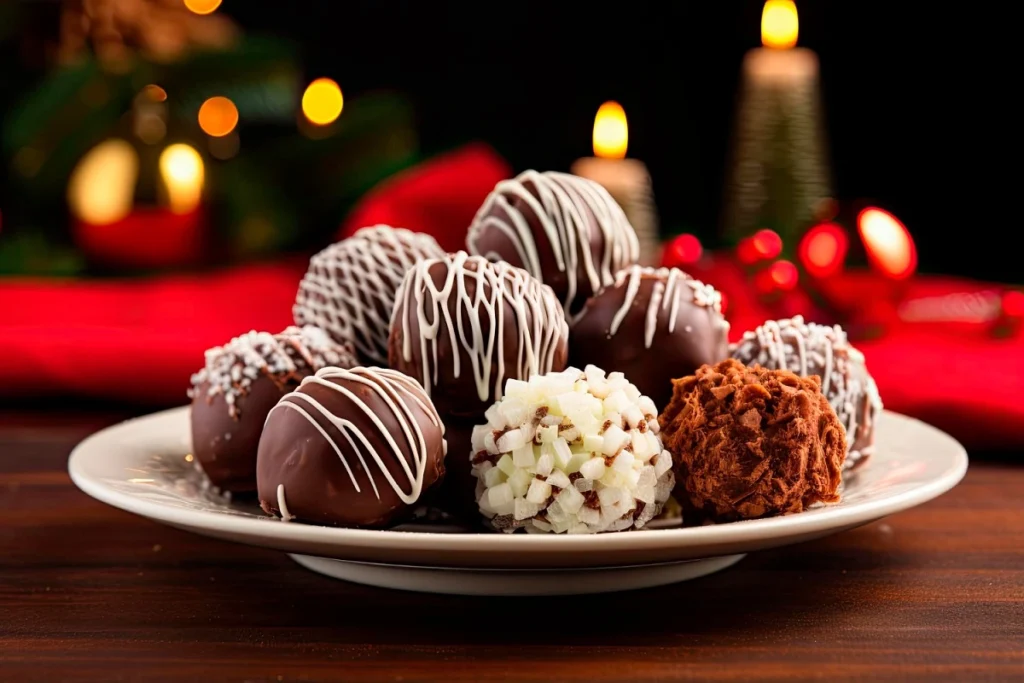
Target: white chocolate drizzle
column 349, row 289
column 282, row 505
column 671, row 289
column 231, row 369
column 562, row 204
column 812, row 349
column 401, row 395
column 475, row 308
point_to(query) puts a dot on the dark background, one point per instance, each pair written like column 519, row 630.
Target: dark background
column 918, row 103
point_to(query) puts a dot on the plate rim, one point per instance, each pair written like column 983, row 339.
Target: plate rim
column 718, row 534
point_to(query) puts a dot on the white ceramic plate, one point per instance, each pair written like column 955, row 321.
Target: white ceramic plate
column 141, row 466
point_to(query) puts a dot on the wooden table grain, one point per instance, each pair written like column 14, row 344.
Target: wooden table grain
column 90, row 593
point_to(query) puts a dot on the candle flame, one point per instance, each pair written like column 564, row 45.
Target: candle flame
column 611, row 134
column 182, row 171
column 888, row 243
column 779, row 24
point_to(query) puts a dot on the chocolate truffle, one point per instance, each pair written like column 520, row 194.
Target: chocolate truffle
column 810, row 349
column 356, row 448
column 751, row 442
column 462, row 326
column 571, row 452
column 564, row 230
column 652, row 325
column 349, row 289
column 240, row 383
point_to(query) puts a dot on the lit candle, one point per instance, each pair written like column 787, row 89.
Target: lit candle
column 780, row 172
column 181, row 169
column 627, row 180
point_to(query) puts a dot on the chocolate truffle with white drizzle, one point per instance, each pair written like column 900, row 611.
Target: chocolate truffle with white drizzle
column 463, row 326
column 566, row 231
column 653, row 325
column 349, row 289
column 357, row 448
column 238, row 386
column 811, row 349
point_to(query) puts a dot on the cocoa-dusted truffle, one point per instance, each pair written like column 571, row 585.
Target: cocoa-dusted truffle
column 564, row 230
column 463, row 326
column 356, row 447
column 571, row 452
column 822, row 350
column 238, row 386
column 652, row 325
column 751, row 442
column 349, row 289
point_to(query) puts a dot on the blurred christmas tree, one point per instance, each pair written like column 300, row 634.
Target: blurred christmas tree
column 154, row 133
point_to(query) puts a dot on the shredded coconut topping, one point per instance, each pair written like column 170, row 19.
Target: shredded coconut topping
column 289, row 355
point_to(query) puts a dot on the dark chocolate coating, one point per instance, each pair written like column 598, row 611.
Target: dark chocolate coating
column 225, row 446
column 317, row 486
column 698, row 336
column 492, row 242
column 457, row 397
column 457, row 495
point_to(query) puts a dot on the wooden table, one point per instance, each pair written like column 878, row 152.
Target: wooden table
column 90, row 593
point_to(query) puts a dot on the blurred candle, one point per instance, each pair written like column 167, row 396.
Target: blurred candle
column 181, row 169
column 627, row 180
column 780, row 173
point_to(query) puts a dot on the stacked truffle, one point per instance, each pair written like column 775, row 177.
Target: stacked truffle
column 420, row 377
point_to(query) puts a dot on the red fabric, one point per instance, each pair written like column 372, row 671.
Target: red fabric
column 140, row 340
column 439, row 197
column 137, row 340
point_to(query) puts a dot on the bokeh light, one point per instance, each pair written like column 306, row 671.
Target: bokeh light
column 183, row 174
column 218, row 116
column 888, row 243
column 101, row 189
column 322, row 102
column 684, row 250
column 823, row 250
column 202, row 6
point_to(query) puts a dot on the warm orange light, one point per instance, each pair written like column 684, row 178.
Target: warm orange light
column 218, row 116
column 888, row 243
column 685, row 250
column 183, row 174
column 611, row 134
column 101, row 189
column 823, row 250
column 202, row 6
column 322, row 102
column 155, row 93
column 779, row 24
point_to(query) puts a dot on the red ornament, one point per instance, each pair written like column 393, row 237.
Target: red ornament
column 684, row 250
column 746, row 252
column 823, row 250
column 725, row 302
column 767, row 244
column 1013, row 303
column 784, row 275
